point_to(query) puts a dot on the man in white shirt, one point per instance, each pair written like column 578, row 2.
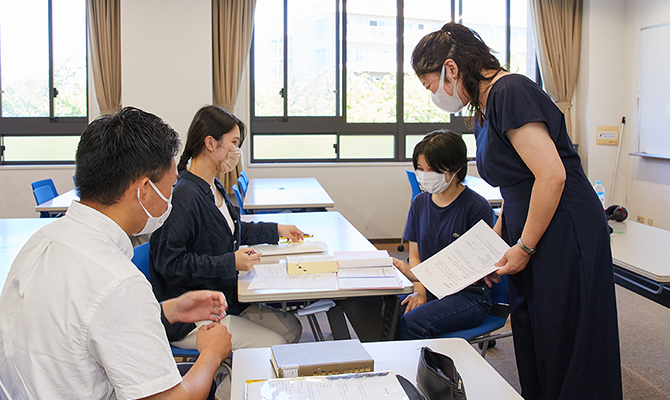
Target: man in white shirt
column 78, row 320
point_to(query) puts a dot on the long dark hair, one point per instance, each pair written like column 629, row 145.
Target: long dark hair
column 444, row 151
column 467, row 49
column 208, row 121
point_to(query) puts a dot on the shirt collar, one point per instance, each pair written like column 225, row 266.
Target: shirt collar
column 98, row 221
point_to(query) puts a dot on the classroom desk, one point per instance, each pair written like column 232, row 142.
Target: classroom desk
column 286, row 193
column 58, row 204
column 490, row 193
column 332, row 228
column 640, row 254
column 481, row 381
column 14, row 233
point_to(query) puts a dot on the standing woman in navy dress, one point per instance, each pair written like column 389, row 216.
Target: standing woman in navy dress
column 562, row 295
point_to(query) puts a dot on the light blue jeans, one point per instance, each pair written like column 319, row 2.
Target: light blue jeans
column 463, row 310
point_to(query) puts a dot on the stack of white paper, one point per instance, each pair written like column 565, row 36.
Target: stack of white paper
column 463, row 262
column 291, row 248
column 363, row 259
column 368, row 278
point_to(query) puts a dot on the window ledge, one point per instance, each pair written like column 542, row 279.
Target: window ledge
column 36, row 167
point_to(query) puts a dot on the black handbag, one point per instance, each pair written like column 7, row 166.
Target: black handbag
column 437, row 377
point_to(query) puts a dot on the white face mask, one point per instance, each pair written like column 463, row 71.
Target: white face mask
column 154, row 223
column 433, row 182
column 453, row 103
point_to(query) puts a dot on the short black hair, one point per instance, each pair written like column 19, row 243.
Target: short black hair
column 444, row 151
column 116, row 150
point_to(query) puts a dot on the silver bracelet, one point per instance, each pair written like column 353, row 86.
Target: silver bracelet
column 526, row 248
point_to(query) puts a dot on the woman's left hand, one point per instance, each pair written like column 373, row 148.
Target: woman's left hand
column 290, row 232
column 513, row 261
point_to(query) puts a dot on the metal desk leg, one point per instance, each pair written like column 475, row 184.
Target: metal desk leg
column 338, row 324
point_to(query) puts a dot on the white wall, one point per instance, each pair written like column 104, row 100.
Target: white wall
column 607, row 90
column 166, row 58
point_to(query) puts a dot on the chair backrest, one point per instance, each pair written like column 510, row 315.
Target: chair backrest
column 413, row 183
column 141, row 258
column 240, row 201
column 242, row 185
column 243, row 174
column 43, row 194
column 45, row 182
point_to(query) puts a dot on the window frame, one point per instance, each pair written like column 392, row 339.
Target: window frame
column 337, row 125
column 44, row 126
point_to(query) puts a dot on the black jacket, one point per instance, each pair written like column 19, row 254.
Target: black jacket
column 195, row 249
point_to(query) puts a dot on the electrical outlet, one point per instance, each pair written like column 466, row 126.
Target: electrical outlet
column 640, row 219
column 650, row 222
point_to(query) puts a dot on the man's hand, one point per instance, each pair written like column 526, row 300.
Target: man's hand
column 246, row 258
column 198, row 305
column 214, row 339
column 290, row 232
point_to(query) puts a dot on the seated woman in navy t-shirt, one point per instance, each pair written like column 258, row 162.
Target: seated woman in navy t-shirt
column 436, row 218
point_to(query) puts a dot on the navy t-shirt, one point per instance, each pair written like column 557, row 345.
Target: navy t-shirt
column 433, row 228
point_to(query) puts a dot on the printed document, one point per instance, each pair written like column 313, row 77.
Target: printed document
column 275, row 276
column 463, row 262
column 363, row 386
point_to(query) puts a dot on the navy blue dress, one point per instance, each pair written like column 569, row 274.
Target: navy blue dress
column 563, row 303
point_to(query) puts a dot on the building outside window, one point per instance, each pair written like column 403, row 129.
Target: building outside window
column 312, row 104
column 43, row 80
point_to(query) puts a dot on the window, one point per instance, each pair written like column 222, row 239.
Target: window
column 43, row 77
column 349, row 93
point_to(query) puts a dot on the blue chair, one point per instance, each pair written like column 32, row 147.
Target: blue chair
column 242, row 185
column 141, row 261
column 45, row 182
column 496, row 319
column 414, row 184
column 43, row 194
column 240, row 200
column 243, row 174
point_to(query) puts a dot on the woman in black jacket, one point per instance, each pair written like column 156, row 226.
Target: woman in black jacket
column 198, row 246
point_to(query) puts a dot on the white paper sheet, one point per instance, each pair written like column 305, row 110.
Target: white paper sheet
column 291, row 248
column 367, row 386
column 367, row 272
column 463, row 262
column 306, row 281
column 379, row 282
column 363, row 259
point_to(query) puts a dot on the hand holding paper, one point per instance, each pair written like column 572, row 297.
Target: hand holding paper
column 468, row 259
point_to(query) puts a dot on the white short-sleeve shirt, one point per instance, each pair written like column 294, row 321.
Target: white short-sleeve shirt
column 78, row 320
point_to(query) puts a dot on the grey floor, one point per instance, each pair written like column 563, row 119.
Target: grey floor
column 644, row 328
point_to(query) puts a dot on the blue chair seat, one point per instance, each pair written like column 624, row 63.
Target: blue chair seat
column 490, row 324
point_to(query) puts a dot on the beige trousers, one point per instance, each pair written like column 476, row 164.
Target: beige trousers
column 254, row 328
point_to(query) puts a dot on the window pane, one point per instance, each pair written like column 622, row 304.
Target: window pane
column 421, row 18
column 468, row 137
column 367, row 146
column 286, row 147
column 25, row 63
column 311, row 58
column 268, row 59
column 411, row 142
column 40, row 148
column 371, row 61
column 487, row 18
column 69, row 41
column 522, row 45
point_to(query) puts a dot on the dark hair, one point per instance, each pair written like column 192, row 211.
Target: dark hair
column 115, row 150
column 467, row 49
column 208, row 121
column 444, row 151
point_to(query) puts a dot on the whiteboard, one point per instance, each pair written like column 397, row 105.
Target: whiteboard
column 654, row 106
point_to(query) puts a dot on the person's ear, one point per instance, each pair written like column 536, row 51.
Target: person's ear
column 209, row 143
column 451, row 70
column 143, row 184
